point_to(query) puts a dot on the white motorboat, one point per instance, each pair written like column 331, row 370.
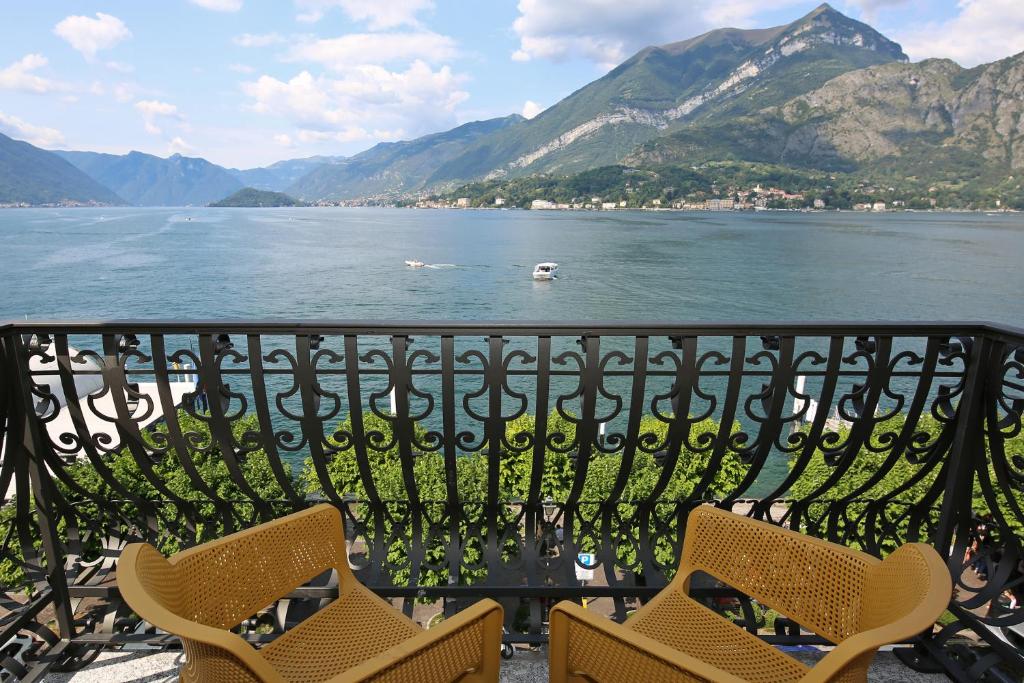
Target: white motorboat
column 545, row 271
column 415, row 264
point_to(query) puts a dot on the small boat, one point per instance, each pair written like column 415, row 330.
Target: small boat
column 545, row 271
column 415, row 264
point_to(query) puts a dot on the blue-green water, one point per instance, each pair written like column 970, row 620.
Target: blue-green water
column 348, row 263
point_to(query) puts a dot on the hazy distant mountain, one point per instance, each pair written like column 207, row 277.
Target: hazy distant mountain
column 719, row 75
column 282, row 174
column 147, row 180
column 391, row 168
column 35, row 176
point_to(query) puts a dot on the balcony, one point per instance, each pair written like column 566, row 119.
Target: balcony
column 526, row 462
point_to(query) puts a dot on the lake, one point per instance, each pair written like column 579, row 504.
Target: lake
column 666, row 266
column 348, row 263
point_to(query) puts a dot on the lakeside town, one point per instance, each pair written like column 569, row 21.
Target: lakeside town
column 757, row 198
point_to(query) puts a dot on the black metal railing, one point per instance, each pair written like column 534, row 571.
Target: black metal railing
column 528, row 462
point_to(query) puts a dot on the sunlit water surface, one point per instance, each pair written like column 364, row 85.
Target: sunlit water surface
column 348, row 263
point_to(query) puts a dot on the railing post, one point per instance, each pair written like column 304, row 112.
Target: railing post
column 6, row 462
column 967, row 448
column 22, row 422
column 931, row 654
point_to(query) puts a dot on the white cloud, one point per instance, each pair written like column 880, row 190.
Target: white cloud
column 353, row 134
column 125, row 92
column 870, row 8
column 609, row 31
column 89, row 36
column 156, row 108
column 154, row 111
column 531, row 109
column 374, row 48
column 219, row 5
column 283, row 139
column 257, row 39
column 179, row 146
column 20, row 76
column 982, row 31
column 366, row 102
column 241, row 68
column 34, row 135
column 378, row 14
column 120, row 67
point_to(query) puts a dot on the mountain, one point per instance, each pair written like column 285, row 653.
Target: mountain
column 932, row 119
column 147, row 180
column 392, row 168
column 251, row 197
column 283, row 174
column 824, row 95
column 719, row 75
column 31, row 175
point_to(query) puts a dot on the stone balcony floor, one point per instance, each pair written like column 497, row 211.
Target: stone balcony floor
column 525, row 667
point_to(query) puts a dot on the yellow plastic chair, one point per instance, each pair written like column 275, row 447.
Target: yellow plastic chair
column 848, row 597
column 200, row 593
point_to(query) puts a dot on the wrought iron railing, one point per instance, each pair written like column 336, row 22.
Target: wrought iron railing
column 505, row 460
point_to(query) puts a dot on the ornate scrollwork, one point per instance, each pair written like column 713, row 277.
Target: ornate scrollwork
column 463, row 461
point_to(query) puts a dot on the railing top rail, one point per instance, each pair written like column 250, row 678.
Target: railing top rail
column 511, row 327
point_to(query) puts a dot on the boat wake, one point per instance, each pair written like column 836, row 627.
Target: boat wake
column 439, row 266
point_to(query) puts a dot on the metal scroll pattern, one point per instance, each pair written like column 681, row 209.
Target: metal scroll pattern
column 987, row 557
column 485, row 464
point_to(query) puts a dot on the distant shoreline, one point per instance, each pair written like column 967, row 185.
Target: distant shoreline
column 515, row 208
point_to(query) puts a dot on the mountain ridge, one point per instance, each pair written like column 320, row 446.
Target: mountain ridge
column 663, row 87
column 823, row 92
column 148, row 180
column 281, row 174
column 390, row 168
column 932, row 118
column 30, row 175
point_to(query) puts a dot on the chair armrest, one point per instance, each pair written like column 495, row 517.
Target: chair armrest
column 142, row 603
column 619, row 653
column 864, row 644
column 468, row 641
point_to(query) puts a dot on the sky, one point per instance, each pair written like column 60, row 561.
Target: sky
column 245, row 83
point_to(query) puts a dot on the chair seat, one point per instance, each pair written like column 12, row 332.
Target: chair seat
column 349, row 631
column 689, row 627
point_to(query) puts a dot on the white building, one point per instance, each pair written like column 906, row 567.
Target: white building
column 462, row 202
column 499, row 201
column 542, row 204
